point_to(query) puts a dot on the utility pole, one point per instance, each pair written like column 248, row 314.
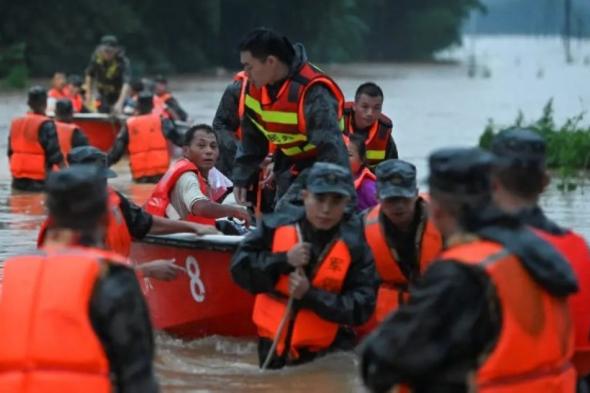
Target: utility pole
column 567, row 31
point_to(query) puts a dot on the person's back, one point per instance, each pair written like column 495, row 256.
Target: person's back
column 101, row 295
column 520, row 177
column 33, row 147
column 490, row 314
column 69, row 134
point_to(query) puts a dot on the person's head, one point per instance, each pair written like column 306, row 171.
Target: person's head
column 160, row 85
column 90, row 155
column 201, row 147
column 108, row 47
column 326, row 194
column 266, row 56
column 459, row 187
column 75, row 83
column 357, row 153
column 64, row 111
column 368, row 103
column 76, row 198
column 136, row 86
column 58, row 81
column 519, row 175
column 397, row 191
column 145, row 102
column 37, row 99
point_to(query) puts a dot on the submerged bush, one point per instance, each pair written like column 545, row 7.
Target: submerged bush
column 568, row 146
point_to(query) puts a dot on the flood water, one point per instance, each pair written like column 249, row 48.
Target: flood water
column 432, row 106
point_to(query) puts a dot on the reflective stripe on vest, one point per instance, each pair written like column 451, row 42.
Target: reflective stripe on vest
column 37, row 309
column 65, row 132
column 535, row 343
column 282, row 121
column 148, row 148
column 574, row 249
column 309, row 331
column 393, row 289
column 157, row 203
column 28, row 157
column 243, row 79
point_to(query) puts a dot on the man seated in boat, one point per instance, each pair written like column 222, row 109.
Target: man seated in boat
column 68, row 133
column 128, row 222
column 87, row 324
column 312, row 272
column 145, row 136
column 401, row 235
column 364, row 117
column 75, row 93
column 110, row 71
column 165, row 103
column 185, row 192
column 59, row 90
column 33, row 147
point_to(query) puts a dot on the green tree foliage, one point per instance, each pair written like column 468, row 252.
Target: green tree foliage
column 187, row 35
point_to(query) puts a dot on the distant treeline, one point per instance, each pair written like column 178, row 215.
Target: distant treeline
column 535, row 17
column 178, row 36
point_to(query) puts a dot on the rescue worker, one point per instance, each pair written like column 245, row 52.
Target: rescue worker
column 227, row 121
column 291, row 104
column 33, row 147
column 364, row 117
column 490, row 315
column 73, row 316
column 184, row 193
column 519, row 178
column 128, row 222
column 110, row 71
column 59, row 90
column 316, row 257
column 402, row 237
column 68, row 133
column 164, row 103
column 145, row 136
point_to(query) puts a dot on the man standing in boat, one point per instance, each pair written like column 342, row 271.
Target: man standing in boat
column 110, row 72
column 312, row 274
column 73, row 316
column 291, row 104
column 364, row 117
column 33, row 146
column 519, row 178
column 146, row 136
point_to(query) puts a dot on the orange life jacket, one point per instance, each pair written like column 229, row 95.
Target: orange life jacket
column 160, row 105
column 58, row 94
column 47, row 342
column 282, row 121
column 535, row 343
column 77, row 102
column 365, row 174
column 574, row 249
column 379, row 135
column 118, row 238
column 393, row 289
column 65, row 132
column 28, row 157
column 148, row 148
column 160, row 198
column 309, row 330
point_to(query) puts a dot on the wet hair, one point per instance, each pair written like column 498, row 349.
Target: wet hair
column 525, row 182
column 361, row 147
column 145, row 102
column 263, row 42
column 190, row 133
column 37, row 97
column 369, row 88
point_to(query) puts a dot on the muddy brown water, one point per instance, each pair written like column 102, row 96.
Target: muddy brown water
column 431, row 106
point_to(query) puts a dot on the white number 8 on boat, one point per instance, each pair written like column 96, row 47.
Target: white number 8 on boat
column 196, row 284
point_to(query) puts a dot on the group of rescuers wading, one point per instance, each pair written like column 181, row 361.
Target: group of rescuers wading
column 467, row 288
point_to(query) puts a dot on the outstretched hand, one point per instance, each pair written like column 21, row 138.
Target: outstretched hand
column 160, row 269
